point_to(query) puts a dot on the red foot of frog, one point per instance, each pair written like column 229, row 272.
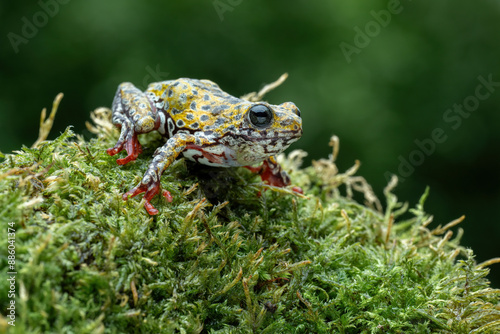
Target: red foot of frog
column 271, row 173
column 150, row 191
column 132, row 146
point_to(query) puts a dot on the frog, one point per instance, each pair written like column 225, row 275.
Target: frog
column 201, row 122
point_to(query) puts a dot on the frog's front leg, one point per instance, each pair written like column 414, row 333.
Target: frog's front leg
column 134, row 113
column 271, row 173
column 163, row 157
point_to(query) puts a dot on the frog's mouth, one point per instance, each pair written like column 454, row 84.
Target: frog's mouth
column 257, row 136
column 284, row 139
column 250, row 135
column 272, row 145
column 261, row 142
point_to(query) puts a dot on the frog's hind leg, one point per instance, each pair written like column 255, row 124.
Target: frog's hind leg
column 271, row 173
column 133, row 113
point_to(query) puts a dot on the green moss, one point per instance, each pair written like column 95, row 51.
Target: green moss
column 89, row 262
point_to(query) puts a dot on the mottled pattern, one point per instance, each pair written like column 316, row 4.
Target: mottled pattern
column 206, row 125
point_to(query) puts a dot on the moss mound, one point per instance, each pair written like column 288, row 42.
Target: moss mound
column 220, row 258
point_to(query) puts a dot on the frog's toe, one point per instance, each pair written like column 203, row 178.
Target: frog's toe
column 128, row 158
column 115, row 150
column 150, row 209
column 148, row 196
column 149, row 190
column 125, row 160
column 134, row 191
column 167, row 195
column 271, row 173
column 132, row 146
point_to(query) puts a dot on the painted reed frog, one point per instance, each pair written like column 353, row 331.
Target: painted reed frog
column 206, row 125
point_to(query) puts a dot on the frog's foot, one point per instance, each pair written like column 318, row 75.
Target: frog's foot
column 133, row 113
column 128, row 141
column 271, row 173
column 132, row 146
column 150, row 191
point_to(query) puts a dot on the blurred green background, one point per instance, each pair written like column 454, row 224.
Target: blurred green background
column 387, row 77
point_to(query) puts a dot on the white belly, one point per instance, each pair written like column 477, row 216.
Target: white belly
column 224, row 156
column 217, row 156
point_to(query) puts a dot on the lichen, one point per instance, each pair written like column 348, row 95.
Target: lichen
column 226, row 256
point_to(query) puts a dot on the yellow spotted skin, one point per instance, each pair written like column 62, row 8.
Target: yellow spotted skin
column 206, row 125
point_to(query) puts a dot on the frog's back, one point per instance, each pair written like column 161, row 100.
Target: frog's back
column 193, row 105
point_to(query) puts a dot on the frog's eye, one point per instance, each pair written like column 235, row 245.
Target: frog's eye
column 260, row 116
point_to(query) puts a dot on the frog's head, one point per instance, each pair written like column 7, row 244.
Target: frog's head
column 268, row 129
column 274, row 121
